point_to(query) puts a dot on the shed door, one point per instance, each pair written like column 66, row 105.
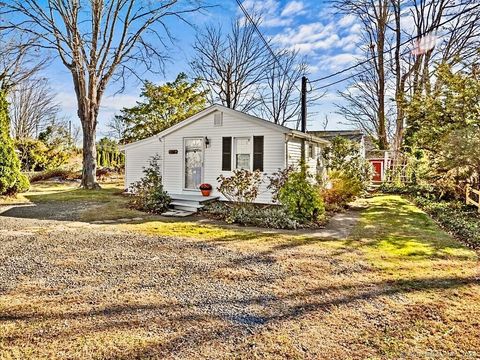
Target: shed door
column 193, row 158
column 377, row 170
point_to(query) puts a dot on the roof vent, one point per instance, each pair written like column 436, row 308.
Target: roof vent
column 218, row 119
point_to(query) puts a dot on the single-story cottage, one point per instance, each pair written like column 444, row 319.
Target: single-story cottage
column 217, row 141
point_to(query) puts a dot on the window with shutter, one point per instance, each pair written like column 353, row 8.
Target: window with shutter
column 227, row 154
column 258, row 153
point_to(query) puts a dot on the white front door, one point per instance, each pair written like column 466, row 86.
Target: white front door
column 193, row 163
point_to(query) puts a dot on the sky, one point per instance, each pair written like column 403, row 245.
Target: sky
column 327, row 41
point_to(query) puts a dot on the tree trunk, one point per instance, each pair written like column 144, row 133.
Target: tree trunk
column 88, row 104
column 89, row 172
column 382, row 136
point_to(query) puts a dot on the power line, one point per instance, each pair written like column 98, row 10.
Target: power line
column 267, row 45
column 389, row 50
column 366, row 70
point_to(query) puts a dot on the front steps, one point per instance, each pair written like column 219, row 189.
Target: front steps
column 187, row 204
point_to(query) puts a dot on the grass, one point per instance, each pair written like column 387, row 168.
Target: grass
column 107, row 203
column 398, row 287
column 190, row 230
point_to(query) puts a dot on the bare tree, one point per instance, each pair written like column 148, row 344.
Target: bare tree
column 375, row 16
column 116, row 128
column 232, row 65
column 97, row 41
column 361, row 105
column 32, row 106
column 280, row 98
column 18, row 58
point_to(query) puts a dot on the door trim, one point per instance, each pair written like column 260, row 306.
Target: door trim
column 183, row 161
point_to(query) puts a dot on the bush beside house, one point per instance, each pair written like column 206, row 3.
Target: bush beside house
column 299, row 200
column 148, row 193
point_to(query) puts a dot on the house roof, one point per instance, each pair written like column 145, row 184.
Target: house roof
column 240, row 114
column 355, row 135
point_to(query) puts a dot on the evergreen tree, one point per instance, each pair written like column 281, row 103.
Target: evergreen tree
column 11, row 179
column 163, row 106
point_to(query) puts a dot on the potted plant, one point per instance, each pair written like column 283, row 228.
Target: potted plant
column 205, row 189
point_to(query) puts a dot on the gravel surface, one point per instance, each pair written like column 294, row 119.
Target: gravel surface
column 65, row 257
column 73, row 290
column 55, row 210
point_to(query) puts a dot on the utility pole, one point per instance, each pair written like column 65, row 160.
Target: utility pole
column 303, row 114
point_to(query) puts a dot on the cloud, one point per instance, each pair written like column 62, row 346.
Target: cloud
column 271, row 13
column 338, row 61
column 117, row 102
column 308, row 38
column 347, row 21
column 268, row 10
column 293, row 8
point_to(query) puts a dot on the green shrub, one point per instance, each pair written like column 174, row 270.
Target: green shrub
column 301, row 197
column 108, row 154
column 276, row 216
column 345, row 156
column 35, row 155
column 343, row 189
column 148, row 193
column 461, row 220
column 12, row 181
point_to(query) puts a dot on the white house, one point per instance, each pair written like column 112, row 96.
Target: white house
column 216, row 141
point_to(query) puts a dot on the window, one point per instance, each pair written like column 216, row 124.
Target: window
column 242, row 153
column 311, row 148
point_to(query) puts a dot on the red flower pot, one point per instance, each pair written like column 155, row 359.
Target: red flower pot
column 206, row 192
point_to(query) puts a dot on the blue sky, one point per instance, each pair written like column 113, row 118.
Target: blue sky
column 327, row 40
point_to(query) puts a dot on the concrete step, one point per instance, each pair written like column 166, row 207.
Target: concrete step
column 189, row 202
column 186, row 203
column 177, row 213
column 192, row 197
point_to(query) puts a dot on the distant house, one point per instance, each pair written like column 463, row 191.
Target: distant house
column 354, row 135
column 217, row 141
column 380, row 159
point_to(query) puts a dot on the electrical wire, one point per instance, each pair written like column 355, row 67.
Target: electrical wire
column 267, row 45
column 366, row 70
column 391, row 49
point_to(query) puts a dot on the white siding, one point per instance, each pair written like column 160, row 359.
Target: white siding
column 294, row 151
column 138, row 157
column 173, row 177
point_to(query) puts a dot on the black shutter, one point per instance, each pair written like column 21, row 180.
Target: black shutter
column 258, row 153
column 227, row 154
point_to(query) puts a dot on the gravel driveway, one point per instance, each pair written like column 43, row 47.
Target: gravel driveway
column 90, row 276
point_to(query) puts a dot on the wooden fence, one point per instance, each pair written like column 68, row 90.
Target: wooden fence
column 470, row 200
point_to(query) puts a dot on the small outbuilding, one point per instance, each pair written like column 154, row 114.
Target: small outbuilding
column 217, row 141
